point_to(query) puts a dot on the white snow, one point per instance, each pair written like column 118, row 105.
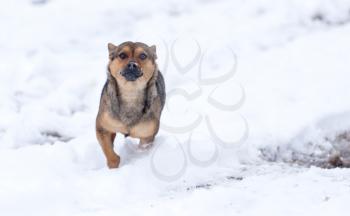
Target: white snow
column 241, row 132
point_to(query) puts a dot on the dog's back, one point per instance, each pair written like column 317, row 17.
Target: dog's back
column 160, row 84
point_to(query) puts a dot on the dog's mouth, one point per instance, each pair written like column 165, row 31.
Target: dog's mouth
column 131, row 75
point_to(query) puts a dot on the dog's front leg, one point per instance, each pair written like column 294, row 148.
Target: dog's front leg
column 106, row 138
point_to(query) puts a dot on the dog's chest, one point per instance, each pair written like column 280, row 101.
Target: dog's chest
column 131, row 108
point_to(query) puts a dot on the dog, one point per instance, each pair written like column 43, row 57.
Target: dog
column 132, row 98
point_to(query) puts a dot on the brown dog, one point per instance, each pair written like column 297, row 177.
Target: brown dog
column 132, row 98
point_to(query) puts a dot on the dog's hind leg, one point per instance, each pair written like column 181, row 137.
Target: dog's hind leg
column 106, row 138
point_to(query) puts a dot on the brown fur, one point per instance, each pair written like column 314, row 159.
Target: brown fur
column 130, row 107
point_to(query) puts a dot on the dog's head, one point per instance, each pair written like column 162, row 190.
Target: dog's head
column 132, row 62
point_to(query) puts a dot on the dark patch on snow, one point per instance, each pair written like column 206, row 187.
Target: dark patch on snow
column 209, row 185
column 235, row 178
column 322, row 18
column 338, row 156
column 53, row 136
column 318, row 17
column 199, row 186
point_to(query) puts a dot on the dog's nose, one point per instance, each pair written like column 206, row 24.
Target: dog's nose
column 132, row 65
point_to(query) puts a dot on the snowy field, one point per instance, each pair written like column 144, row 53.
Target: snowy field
column 258, row 108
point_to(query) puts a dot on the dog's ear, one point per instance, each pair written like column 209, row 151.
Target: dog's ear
column 111, row 49
column 154, row 51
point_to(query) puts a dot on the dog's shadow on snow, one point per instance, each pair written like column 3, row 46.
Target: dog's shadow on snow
column 130, row 153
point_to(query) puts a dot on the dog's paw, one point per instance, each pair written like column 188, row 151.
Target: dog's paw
column 113, row 162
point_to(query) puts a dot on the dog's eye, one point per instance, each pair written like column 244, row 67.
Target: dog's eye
column 122, row 56
column 143, row 56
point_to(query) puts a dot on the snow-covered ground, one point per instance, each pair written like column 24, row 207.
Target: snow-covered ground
column 258, row 104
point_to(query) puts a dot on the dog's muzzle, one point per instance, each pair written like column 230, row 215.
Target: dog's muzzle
column 131, row 72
